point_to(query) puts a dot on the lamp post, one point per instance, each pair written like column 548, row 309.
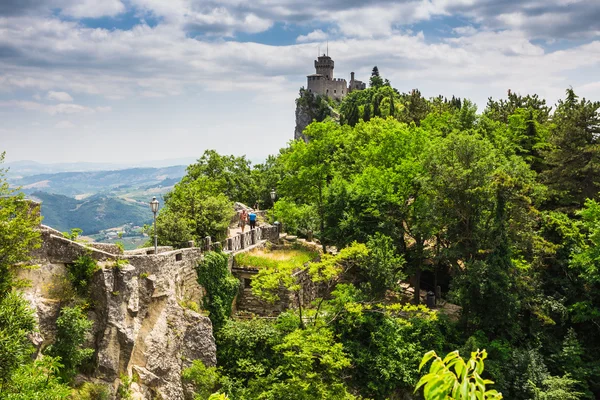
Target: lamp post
column 154, row 208
column 273, row 196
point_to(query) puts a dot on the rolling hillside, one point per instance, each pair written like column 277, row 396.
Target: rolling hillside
column 121, row 182
column 93, row 214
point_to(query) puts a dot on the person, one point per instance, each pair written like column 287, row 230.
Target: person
column 243, row 219
column 252, row 219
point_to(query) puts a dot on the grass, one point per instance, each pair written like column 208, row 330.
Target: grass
column 271, row 259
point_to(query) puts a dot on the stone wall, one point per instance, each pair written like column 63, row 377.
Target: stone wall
column 250, row 237
column 247, row 302
column 140, row 327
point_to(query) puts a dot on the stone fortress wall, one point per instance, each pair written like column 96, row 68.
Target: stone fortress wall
column 142, row 327
column 324, row 84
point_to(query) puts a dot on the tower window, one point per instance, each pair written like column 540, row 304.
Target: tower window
column 334, row 91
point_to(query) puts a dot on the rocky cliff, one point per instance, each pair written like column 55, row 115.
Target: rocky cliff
column 140, row 328
column 311, row 108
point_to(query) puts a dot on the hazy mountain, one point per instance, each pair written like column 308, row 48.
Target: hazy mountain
column 93, row 214
column 134, row 182
column 23, row 168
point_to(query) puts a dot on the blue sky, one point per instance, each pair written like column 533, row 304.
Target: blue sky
column 136, row 80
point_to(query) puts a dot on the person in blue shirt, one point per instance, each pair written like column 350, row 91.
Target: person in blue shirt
column 252, row 219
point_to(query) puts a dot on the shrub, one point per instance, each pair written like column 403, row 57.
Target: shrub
column 72, row 325
column 91, row 391
column 221, row 287
column 81, row 272
column 205, row 379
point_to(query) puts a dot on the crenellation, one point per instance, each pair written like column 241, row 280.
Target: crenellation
column 323, row 83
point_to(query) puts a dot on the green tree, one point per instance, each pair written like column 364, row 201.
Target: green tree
column 574, row 159
column 16, row 322
column 455, row 378
column 71, row 328
column 375, row 81
column 205, row 379
column 36, row 380
column 221, row 287
column 18, row 235
column 229, row 175
column 192, row 211
column 366, row 113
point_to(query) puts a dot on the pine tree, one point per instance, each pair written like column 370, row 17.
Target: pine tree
column 376, row 102
column 367, row 113
column 376, row 81
column 574, row 161
column 352, row 117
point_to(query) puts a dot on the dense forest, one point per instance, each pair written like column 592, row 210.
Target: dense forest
column 498, row 208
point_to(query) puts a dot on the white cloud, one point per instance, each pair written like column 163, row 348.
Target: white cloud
column 64, row 125
column 92, row 8
column 59, row 96
column 315, row 36
column 56, row 109
column 184, row 64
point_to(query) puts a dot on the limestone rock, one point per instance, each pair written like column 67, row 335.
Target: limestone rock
column 139, row 327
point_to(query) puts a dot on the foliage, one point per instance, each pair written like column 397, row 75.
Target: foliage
column 204, row 379
column 456, row 378
column 288, row 259
column 317, row 106
column 36, row 380
column 16, row 322
column 573, row 160
column 296, row 219
column 73, row 234
column 91, row 391
column 71, row 328
column 80, row 273
column 17, row 234
column 245, row 349
column 221, row 287
column 124, row 390
column 229, row 175
column 194, row 210
column 558, row 388
column 383, row 268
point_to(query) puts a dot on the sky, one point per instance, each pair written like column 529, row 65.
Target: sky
column 126, row 81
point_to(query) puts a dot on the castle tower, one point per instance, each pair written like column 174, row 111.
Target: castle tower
column 324, row 66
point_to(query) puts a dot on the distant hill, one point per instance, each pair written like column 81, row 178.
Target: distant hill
column 92, row 214
column 18, row 169
column 92, row 182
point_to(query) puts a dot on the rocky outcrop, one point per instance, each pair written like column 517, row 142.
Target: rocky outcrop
column 303, row 119
column 140, row 328
column 311, row 108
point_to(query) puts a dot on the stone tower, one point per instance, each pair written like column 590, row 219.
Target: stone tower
column 324, row 66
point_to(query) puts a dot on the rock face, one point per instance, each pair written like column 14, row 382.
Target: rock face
column 309, row 108
column 140, row 329
column 303, row 119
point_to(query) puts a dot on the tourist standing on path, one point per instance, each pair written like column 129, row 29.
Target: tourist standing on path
column 252, row 219
column 243, row 219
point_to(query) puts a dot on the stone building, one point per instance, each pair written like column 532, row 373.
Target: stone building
column 323, row 83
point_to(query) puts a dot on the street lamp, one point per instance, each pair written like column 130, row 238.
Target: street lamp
column 273, row 196
column 154, row 208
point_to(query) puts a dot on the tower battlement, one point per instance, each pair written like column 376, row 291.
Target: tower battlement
column 323, row 83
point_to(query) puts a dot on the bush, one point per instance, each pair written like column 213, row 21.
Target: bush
column 16, row 322
column 221, row 287
column 81, row 272
column 205, row 379
column 91, row 391
column 72, row 326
